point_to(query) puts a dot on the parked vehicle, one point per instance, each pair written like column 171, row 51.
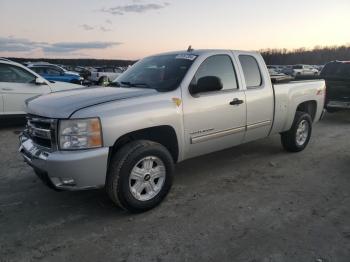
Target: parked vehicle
column 337, row 76
column 83, row 72
column 18, row 83
column 165, row 109
column 105, row 75
column 277, row 77
column 301, row 70
column 277, row 68
column 56, row 73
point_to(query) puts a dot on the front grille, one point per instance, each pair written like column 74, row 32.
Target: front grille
column 42, row 131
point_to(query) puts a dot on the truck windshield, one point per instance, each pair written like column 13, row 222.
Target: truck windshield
column 163, row 73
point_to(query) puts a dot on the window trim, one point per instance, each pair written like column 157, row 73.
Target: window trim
column 220, row 91
column 262, row 83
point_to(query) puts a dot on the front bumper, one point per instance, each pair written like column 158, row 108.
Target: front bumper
column 67, row 170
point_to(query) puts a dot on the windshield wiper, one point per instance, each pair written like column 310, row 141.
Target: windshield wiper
column 136, row 84
column 120, row 84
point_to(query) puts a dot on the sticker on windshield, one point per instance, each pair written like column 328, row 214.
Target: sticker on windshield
column 186, row 56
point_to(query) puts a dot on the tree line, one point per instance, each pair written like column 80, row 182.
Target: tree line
column 76, row 62
column 316, row 56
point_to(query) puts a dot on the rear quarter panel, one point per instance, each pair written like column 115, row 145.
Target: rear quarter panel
column 289, row 96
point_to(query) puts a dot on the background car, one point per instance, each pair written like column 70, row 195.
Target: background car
column 18, row 83
column 304, row 70
column 337, row 76
column 278, row 77
column 53, row 72
column 105, row 75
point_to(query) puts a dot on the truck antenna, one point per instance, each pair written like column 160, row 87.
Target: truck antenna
column 190, row 49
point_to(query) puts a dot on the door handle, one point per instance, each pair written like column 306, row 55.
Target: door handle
column 6, row 89
column 236, row 101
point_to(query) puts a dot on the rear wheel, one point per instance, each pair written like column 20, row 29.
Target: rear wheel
column 298, row 136
column 140, row 175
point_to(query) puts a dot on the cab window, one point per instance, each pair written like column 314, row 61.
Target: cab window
column 219, row 67
column 251, row 71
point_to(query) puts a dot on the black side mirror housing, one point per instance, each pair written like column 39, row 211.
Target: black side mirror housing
column 206, row 84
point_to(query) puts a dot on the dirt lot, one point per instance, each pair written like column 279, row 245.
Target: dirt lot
column 250, row 203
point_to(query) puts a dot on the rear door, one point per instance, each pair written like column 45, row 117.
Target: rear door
column 211, row 121
column 259, row 96
column 17, row 85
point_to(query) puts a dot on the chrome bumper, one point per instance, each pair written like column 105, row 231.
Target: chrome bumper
column 67, row 170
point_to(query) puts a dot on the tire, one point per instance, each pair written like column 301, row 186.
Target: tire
column 122, row 188
column 291, row 140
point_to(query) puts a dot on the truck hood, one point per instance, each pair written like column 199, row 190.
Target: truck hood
column 64, row 104
column 63, row 86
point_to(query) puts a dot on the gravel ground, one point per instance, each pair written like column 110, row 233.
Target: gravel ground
column 254, row 202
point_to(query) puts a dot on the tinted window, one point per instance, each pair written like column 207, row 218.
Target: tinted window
column 336, row 69
column 219, row 66
column 52, row 71
column 14, row 74
column 251, row 71
column 39, row 70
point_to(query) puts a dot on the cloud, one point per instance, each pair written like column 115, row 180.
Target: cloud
column 134, row 8
column 108, row 21
column 87, row 27
column 75, row 46
column 104, row 29
column 12, row 44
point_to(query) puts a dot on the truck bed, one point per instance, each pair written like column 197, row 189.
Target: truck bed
column 296, row 91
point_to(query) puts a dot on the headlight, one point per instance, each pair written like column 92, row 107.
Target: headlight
column 80, row 134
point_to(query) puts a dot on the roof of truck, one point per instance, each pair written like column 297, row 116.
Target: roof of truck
column 204, row 51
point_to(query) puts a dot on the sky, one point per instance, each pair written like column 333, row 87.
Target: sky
column 132, row 29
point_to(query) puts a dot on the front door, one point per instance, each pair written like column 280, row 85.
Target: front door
column 214, row 120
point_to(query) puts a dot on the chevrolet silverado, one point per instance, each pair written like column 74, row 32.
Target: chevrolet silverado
column 163, row 110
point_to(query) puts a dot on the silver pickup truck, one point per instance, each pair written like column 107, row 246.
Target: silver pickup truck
column 163, row 110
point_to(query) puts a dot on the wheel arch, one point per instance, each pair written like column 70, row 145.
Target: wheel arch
column 164, row 135
column 309, row 107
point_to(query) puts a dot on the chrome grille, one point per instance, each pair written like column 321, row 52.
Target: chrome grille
column 42, row 131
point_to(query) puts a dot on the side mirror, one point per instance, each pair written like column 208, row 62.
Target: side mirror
column 40, row 81
column 206, row 84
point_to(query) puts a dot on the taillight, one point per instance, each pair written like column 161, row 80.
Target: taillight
column 98, row 75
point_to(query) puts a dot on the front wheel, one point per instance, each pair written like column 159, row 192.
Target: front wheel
column 298, row 136
column 140, row 175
